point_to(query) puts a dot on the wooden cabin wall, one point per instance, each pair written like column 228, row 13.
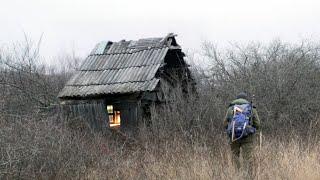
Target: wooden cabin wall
column 132, row 108
column 176, row 72
column 129, row 106
column 130, row 113
column 91, row 111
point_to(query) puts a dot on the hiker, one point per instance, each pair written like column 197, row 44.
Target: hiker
column 242, row 123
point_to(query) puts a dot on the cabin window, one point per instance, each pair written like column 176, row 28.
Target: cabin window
column 114, row 116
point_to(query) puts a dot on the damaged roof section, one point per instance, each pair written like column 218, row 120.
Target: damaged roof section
column 120, row 67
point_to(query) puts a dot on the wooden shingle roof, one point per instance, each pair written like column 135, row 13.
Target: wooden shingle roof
column 120, row 67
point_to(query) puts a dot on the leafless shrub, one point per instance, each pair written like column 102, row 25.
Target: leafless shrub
column 283, row 77
column 26, row 82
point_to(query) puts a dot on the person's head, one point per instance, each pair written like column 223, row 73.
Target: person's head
column 242, row 95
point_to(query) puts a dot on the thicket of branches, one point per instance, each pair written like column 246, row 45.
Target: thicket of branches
column 281, row 79
column 27, row 83
column 284, row 79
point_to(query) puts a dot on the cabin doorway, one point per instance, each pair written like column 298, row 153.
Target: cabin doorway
column 114, row 117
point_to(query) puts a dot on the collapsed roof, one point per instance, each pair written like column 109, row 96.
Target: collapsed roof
column 120, row 67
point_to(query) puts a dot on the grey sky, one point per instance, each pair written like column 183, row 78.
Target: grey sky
column 80, row 24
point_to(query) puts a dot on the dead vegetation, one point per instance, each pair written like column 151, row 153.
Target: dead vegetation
column 185, row 139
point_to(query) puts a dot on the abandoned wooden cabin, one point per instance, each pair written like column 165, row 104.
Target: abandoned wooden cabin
column 119, row 81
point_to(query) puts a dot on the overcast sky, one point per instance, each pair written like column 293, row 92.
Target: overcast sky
column 79, row 24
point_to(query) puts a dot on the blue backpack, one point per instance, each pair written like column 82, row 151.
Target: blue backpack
column 240, row 125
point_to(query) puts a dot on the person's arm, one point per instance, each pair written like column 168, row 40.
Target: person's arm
column 227, row 118
column 256, row 120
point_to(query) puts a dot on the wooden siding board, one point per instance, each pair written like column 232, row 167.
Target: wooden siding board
column 93, row 112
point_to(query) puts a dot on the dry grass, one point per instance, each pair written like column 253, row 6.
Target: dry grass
column 289, row 161
column 277, row 161
column 41, row 149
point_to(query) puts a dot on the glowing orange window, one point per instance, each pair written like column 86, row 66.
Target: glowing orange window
column 114, row 116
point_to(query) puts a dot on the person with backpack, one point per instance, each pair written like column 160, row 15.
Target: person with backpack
column 242, row 124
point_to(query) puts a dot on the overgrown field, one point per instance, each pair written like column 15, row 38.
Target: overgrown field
column 41, row 149
column 185, row 139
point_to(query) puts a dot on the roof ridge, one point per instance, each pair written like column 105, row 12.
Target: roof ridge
column 134, row 50
column 154, row 64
